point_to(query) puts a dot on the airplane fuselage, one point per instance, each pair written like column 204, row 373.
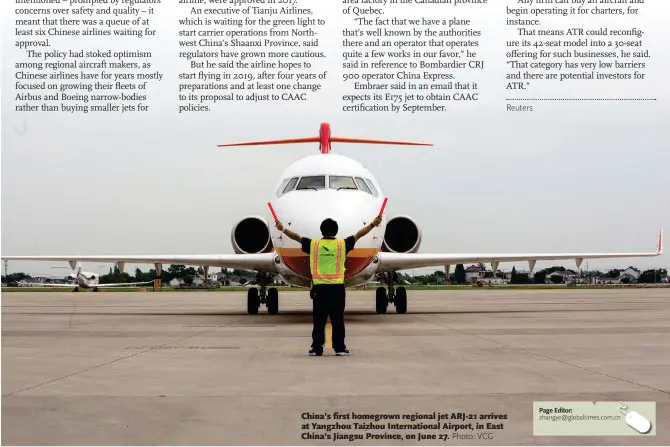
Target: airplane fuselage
column 308, row 193
column 86, row 280
column 87, row 283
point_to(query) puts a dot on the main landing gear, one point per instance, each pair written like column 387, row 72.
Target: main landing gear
column 398, row 296
column 269, row 297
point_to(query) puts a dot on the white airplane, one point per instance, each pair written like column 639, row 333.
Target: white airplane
column 85, row 280
column 310, row 190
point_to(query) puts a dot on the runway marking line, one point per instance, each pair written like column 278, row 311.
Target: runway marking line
column 329, row 335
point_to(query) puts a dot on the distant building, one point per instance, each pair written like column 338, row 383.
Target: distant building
column 630, row 275
column 561, row 277
column 199, row 281
column 474, row 273
column 479, row 273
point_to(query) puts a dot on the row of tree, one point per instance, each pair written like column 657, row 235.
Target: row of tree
column 188, row 274
column 179, row 271
column 459, row 276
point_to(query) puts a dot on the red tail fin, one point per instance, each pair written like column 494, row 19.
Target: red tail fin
column 324, row 139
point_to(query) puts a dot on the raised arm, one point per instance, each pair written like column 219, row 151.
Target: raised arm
column 292, row 234
column 366, row 229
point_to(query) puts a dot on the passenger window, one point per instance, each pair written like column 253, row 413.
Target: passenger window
column 290, row 185
column 312, row 182
column 372, row 187
column 339, row 182
column 361, row 184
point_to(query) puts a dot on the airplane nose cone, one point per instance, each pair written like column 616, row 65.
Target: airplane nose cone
column 352, row 210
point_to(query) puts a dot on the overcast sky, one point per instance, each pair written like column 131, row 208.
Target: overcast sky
column 571, row 176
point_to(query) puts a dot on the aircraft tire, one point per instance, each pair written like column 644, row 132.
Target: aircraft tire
column 253, row 301
column 401, row 300
column 273, row 301
column 381, row 301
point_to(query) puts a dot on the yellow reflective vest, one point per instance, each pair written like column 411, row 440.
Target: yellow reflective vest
column 326, row 260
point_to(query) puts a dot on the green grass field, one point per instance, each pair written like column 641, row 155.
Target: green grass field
column 368, row 287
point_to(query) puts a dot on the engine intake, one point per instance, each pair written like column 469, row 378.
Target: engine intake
column 251, row 235
column 402, row 235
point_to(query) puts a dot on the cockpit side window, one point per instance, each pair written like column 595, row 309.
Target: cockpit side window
column 280, row 190
column 362, row 185
column 372, row 187
column 290, row 185
column 312, row 182
column 341, row 182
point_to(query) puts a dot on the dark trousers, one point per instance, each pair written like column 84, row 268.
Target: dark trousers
column 328, row 301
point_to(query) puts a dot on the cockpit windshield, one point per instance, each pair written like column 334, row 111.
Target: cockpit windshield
column 361, row 184
column 372, row 187
column 318, row 182
column 312, row 182
column 340, row 182
column 282, row 187
column 290, row 184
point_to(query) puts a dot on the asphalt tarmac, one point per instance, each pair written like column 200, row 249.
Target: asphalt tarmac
column 118, row 368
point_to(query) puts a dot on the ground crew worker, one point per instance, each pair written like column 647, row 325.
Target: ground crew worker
column 326, row 262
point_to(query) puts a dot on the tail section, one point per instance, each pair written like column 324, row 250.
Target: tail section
column 325, row 139
column 74, row 265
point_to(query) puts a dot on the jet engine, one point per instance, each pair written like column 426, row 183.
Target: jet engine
column 251, row 235
column 402, row 235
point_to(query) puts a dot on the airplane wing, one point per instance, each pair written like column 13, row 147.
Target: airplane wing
column 259, row 262
column 122, row 284
column 405, row 261
column 39, row 284
column 69, row 286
